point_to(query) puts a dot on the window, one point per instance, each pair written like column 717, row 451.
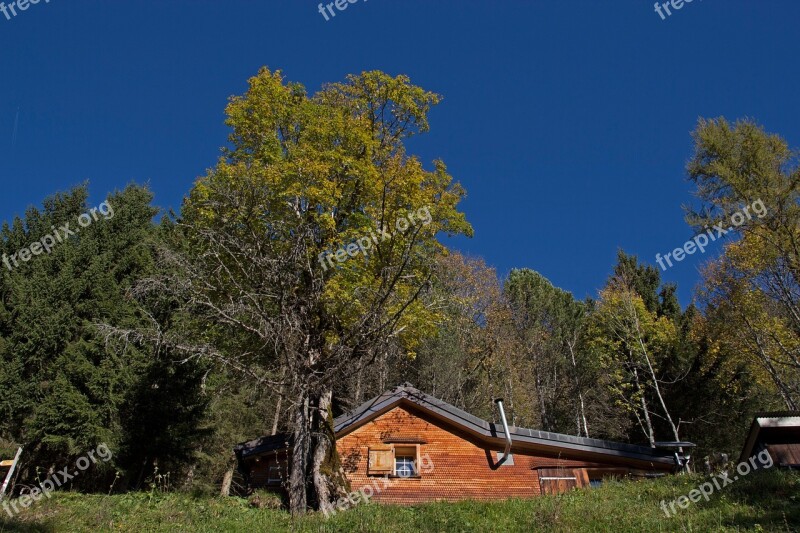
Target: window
column 594, row 477
column 394, row 460
column 405, row 460
column 274, row 475
column 404, row 467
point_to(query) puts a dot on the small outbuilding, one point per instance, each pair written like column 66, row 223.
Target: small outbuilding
column 778, row 434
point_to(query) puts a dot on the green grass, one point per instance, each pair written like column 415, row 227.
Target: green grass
column 760, row 502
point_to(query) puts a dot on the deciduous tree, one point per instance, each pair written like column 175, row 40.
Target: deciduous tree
column 306, row 177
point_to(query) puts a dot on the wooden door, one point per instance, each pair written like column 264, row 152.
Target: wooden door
column 557, row 480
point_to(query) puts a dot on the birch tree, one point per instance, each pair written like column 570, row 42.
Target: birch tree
column 630, row 341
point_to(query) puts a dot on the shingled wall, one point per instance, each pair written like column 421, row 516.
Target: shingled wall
column 461, row 467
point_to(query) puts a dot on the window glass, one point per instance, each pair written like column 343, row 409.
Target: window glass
column 404, row 466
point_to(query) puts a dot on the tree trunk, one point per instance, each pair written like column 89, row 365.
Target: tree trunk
column 281, row 392
column 322, row 446
column 542, row 405
column 298, row 498
column 581, row 416
column 357, row 395
column 328, row 477
column 317, row 478
column 646, row 411
column 227, row 480
column 277, row 418
column 655, row 381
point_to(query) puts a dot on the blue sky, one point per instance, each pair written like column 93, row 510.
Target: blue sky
column 567, row 121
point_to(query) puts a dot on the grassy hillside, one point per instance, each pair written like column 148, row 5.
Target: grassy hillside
column 765, row 502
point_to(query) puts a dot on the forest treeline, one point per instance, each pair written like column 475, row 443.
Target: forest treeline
column 171, row 337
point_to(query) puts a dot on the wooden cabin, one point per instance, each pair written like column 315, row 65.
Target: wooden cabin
column 409, row 447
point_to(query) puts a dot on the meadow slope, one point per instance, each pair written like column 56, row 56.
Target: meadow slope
column 763, row 502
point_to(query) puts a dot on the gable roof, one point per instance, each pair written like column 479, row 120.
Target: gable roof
column 408, row 395
column 769, row 420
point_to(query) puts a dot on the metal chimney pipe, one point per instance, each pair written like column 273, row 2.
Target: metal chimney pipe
column 499, row 402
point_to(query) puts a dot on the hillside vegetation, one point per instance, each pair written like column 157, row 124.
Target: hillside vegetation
column 765, row 502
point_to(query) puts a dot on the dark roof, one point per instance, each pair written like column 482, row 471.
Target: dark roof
column 263, row 445
column 408, row 394
column 774, row 419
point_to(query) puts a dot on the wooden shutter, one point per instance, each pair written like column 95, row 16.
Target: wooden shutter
column 381, row 460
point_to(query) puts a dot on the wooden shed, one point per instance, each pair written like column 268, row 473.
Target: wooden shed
column 779, row 434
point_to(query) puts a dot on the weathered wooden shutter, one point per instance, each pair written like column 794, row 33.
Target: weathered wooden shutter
column 381, row 460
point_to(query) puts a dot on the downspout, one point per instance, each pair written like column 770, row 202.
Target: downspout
column 507, row 451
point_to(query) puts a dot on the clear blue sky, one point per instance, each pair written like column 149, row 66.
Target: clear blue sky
column 567, row 121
